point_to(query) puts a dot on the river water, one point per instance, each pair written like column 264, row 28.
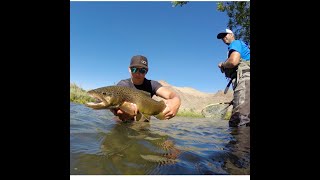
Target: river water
column 100, row 145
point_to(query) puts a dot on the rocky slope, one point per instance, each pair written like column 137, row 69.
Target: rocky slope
column 194, row 100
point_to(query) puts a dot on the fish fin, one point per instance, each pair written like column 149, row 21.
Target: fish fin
column 143, row 117
column 138, row 117
column 164, row 103
column 93, row 105
column 146, row 118
column 129, row 108
column 145, row 93
column 160, row 116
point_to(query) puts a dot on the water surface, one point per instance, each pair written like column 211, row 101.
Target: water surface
column 99, row 145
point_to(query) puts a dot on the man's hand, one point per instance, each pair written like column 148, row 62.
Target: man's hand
column 172, row 108
column 220, row 65
column 122, row 115
column 172, row 101
column 127, row 111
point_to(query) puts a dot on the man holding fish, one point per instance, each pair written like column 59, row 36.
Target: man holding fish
column 135, row 102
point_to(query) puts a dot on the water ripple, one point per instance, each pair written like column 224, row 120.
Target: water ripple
column 101, row 145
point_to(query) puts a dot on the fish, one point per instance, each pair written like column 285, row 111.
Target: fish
column 132, row 101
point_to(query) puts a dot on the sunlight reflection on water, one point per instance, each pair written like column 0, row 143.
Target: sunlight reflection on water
column 101, row 145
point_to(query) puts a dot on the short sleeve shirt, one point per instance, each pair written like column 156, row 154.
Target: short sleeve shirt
column 240, row 47
column 147, row 85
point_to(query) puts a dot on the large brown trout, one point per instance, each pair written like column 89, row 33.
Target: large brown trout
column 132, row 101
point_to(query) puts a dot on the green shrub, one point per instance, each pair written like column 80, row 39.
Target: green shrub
column 191, row 113
column 79, row 95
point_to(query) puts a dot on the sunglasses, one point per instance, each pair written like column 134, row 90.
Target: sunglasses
column 141, row 70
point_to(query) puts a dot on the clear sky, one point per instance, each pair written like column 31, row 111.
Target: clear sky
column 180, row 43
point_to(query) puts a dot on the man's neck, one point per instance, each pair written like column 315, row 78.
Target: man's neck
column 137, row 82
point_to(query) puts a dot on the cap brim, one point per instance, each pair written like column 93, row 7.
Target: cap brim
column 221, row 35
column 138, row 65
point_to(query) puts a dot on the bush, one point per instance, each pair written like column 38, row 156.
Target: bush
column 191, row 113
column 79, row 95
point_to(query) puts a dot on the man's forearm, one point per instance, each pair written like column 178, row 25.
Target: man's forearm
column 227, row 64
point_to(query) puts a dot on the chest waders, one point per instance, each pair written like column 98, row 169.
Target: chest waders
column 234, row 74
column 240, row 80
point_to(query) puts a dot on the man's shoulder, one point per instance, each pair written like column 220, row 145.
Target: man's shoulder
column 124, row 82
column 148, row 80
column 153, row 82
column 239, row 43
column 235, row 45
column 236, row 42
column 155, row 85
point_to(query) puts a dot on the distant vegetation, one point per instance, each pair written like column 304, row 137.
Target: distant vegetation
column 238, row 13
column 190, row 113
column 79, row 95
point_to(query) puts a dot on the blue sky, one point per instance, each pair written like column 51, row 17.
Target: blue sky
column 180, row 43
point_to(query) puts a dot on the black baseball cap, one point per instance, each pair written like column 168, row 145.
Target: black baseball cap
column 139, row 61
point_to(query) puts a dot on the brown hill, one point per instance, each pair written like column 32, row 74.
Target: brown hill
column 192, row 99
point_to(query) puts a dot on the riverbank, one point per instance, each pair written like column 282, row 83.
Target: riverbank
column 80, row 96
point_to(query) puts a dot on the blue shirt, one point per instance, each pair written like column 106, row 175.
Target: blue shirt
column 241, row 48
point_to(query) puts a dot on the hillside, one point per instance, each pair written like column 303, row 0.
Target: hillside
column 194, row 100
column 191, row 99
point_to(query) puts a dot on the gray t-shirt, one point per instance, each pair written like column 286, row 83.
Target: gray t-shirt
column 150, row 86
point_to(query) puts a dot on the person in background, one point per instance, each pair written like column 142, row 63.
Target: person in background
column 237, row 68
column 138, row 69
